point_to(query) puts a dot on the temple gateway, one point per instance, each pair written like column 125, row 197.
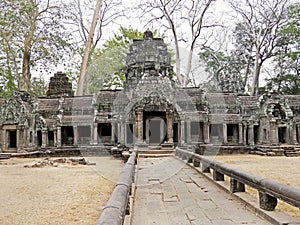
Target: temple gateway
column 151, row 111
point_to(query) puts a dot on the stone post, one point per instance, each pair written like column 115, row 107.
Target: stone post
column 225, row 141
column 44, row 137
column 55, row 137
column 273, row 132
column 170, row 126
column 113, row 132
column 297, row 128
column 75, row 130
column 241, row 133
column 18, row 137
column 58, row 136
column 182, row 134
column 251, row 134
column 245, row 134
column 206, row 133
column 188, row 131
column 236, row 186
column 139, row 126
column 122, row 133
column 267, row 202
column 94, row 133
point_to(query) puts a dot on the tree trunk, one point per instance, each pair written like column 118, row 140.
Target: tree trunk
column 87, row 51
column 26, row 76
column 189, row 67
column 256, row 72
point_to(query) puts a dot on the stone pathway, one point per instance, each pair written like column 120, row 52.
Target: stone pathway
column 170, row 192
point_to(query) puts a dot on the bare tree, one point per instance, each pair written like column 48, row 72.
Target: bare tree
column 87, row 50
column 262, row 21
column 185, row 20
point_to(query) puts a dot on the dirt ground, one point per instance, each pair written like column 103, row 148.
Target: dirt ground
column 285, row 170
column 65, row 194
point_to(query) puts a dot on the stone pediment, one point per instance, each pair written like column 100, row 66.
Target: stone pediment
column 13, row 111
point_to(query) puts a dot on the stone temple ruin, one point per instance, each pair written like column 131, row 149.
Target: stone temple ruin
column 151, row 111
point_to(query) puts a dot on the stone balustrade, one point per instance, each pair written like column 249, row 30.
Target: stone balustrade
column 269, row 190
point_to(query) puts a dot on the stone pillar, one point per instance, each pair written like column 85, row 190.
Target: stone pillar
column 44, row 137
column 58, row 136
column 122, row 133
column 206, row 133
column 55, row 137
column 161, row 127
column 245, row 134
column 188, row 131
column 267, row 202
column 4, row 136
column 18, row 137
column 139, row 126
column 182, row 134
column 75, row 131
column 251, row 134
column 236, row 186
column 94, row 132
column 225, row 141
column 273, row 132
column 170, row 126
column 241, row 133
column 113, row 132
column 297, row 128
column 147, row 131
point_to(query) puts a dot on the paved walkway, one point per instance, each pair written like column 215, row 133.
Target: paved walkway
column 170, row 192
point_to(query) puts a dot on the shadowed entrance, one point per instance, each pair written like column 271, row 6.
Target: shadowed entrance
column 154, row 127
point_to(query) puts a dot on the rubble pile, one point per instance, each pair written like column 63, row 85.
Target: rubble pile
column 55, row 162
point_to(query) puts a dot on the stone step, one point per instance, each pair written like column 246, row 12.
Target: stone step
column 155, row 153
column 5, row 155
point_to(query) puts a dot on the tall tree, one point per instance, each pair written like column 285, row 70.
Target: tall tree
column 185, row 21
column 33, row 35
column 87, row 50
column 261, row 21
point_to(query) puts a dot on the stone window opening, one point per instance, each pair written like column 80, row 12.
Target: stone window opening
column 51, row 138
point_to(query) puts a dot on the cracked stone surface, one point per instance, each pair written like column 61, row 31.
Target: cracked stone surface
column 170, row 192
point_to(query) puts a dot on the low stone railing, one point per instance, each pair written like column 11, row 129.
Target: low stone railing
column 118, row 204
column 269, row 190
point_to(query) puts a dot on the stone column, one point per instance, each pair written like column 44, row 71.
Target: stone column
column 162, row 133
column 273, row 132
column 18, row 137
column 94, row 132
column 188, row 131
column 113, row 132
column 58, row 136
column 225, row 141
column 122, row 133
column 245, row 134
column 297, row 128
column 75, row 130
column 4, row 139
column 206, row 133
column 182, row 134
column 251, row 134
column 170, row 126
column 55, row 137
column 139, row 126
column 44, row 137
column 241, row 133
column 147, row 131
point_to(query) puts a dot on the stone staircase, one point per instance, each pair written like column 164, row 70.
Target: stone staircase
column 156, row 151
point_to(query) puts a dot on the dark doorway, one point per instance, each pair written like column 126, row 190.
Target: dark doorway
column 154, row 127
column 39, row 138
column 84, row 135
column 104, row 132
column 12, row 139
column 175, row 134
column 282, row 135
column 50, row 138
column 154, row 131
column 67, row 135
column 256, row 133
column 129, row 134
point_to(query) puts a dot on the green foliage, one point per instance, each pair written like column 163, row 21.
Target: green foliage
column 106, row 69
column 39, row 87
column 33, row 28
